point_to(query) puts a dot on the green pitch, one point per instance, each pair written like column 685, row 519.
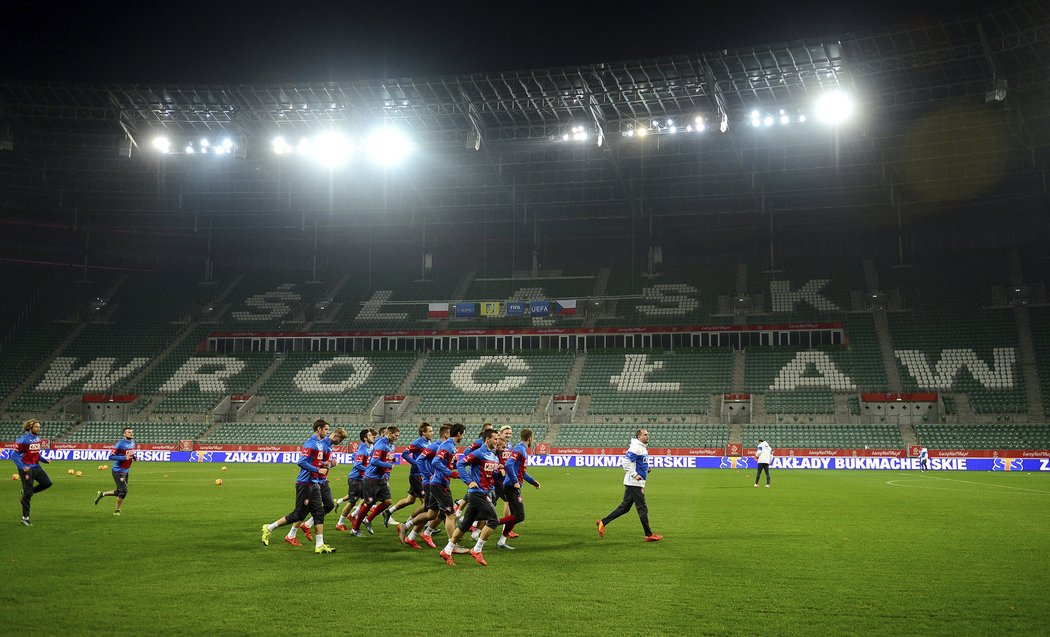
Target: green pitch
column 820, row 553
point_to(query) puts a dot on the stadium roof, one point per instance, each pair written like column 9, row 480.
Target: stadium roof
column 986, row 75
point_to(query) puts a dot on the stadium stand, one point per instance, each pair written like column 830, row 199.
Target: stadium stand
column 488, row 384
column 674, row 436
column 393, row 289
column 1040, row 321
column 145, row 432
column 633, row 382
column 683, row 295
column 839, row 436
column 986, row 436
column 292, row 390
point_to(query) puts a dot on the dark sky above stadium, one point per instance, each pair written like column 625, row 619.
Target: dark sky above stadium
column 265, row 41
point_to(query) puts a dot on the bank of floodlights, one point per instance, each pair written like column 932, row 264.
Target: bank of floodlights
column 202, row 146
column 385, row 146
column 695, row 125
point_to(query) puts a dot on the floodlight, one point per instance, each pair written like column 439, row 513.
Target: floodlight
column 834, row 108
column 388, row 146
column 670, row 122
column 162, row 144
column 331, row 149
column 204, row 143
column 643, row 131
column 630, row 132
column 304, row 146
column 189, row 149
column 784, row 119
column 768, row 121
column 672, row 129
column 699, row 119
column 802, row 118
column 227, row 143
column 688, row 128
column 565, row 137
column 280, row 147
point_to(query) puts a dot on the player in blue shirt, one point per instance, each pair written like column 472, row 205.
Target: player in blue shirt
column 377, row 479
column 516, row 476
column 355, row 480
column 314, row 464
column 483, row 464
column 335, row 439
column 27, row 458
column 122, row 456
column 436, row 464
column 361, row 499
column 412, row 456
column 461, row 506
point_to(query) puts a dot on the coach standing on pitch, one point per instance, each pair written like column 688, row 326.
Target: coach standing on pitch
column 764, row 456
column 636, row 465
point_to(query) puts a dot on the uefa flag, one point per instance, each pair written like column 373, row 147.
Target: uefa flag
column 540, row 308
column 491, row 308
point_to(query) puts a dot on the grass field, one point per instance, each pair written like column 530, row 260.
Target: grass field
column 835, row 553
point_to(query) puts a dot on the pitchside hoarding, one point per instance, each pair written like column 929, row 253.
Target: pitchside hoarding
column 953, row 460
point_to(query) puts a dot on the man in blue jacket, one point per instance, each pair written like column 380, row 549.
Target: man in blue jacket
column 635, row 464
column 512, row 483
column 416, row 486
column 377, row 479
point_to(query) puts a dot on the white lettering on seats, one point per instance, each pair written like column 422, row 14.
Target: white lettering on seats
column 208, row 374
column 632, row 378
column 792, row 375
column 309, row 380
column 463, row 375
column 100, row 373
column 943, row 375
column 784, row 298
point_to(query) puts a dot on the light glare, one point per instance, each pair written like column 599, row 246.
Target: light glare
column 834, row 108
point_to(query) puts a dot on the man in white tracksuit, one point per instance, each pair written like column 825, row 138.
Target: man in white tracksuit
column 924, row 460
column 764, row 456
column 636, row 465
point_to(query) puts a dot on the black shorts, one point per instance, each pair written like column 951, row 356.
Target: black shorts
column 497, row 491
column 517, row 505
column 376, row 490
column 439, row 499
column 479, row 509
column 415, row 486
column 308, row 501
column 121, row 480
column 354, row 489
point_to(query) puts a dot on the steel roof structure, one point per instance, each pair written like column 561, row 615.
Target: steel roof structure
column 918, row 89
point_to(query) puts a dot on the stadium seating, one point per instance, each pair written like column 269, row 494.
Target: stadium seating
column 808, row 436
column 1041, row 344
column 485, row 384
column 50, row 429
column 831, row 279
column 287, row 392
column 395, row 287
column 683, row 295
column 1004, row 436
column 145, row 432
column 676, row 436
column 680, row 382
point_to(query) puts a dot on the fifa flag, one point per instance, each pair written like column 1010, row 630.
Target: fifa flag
column 565, row 306
column 515, row 308
column 540, row 308
column 491, row 308
column 466, row 310
column 437, row 311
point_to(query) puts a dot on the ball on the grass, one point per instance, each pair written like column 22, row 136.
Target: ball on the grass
column 105, row 466
column 224, row 468
column 14, row 476
column 219, row 482
column 100, row 467
column 80, row 474
column 71, row 472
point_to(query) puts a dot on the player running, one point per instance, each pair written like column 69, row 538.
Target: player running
column 439, row 495
column 334, row 440
column 415, row 476
column 27, row 458
column 483, row 464
column 355, row 481
column 313, row 469
column 122, row 456
column 516, row 475
column 377, row 480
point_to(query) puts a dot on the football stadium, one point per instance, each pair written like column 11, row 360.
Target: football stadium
column 778, row 312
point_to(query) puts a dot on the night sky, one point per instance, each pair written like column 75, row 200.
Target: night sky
column 264, row 41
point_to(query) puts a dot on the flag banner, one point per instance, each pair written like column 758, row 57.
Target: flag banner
column 466, row 310
column 515, row 308
column 491, row 308
column 540, row 308
column 437, row 311
column 566, row 306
